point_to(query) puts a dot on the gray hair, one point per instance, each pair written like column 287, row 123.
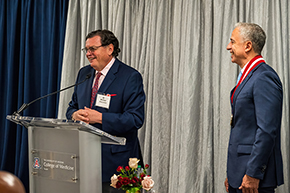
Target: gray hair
column 254, row 33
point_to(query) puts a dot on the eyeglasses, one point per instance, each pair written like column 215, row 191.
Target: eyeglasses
column 91, row 49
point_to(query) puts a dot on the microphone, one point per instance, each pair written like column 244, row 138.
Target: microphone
column 24, row 106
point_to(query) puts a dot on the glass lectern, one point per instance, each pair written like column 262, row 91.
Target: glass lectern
column 64, row 155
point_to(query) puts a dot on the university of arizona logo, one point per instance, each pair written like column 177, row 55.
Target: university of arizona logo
column 36, row 163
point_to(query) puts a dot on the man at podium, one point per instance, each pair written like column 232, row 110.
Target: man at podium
column 112, row 99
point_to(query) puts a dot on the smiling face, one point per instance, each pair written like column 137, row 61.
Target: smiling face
column 101, row 55
column 238, row 48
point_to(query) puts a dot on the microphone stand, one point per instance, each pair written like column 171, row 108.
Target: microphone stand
column 24, row 105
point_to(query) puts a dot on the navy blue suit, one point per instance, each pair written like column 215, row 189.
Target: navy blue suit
column 124, row 116
column 255, row 145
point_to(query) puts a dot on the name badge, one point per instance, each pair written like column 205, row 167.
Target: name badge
column 103, row 101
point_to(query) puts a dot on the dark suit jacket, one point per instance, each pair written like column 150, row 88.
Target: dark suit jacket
column 254, row 145
column 124, row 116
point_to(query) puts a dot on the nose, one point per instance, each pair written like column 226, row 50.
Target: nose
column 88, row 52
column 229, row 46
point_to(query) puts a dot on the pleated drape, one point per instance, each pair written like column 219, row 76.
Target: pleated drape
column 179, row 46
column 31, row 51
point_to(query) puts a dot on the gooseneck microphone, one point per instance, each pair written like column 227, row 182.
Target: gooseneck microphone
column 24, row 106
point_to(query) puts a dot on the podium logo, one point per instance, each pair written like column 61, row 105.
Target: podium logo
column 36, row 163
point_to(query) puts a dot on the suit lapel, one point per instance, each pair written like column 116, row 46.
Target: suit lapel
column 239, row 89
column 242, row 85
column 88, row 88
column 110, row 77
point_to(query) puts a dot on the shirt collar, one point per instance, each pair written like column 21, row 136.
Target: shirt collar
column 242, row 70
column 107, row 67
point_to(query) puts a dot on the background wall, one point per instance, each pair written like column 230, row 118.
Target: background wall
column 179, row 46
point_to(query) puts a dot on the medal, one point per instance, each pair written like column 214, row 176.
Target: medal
column 252, row 64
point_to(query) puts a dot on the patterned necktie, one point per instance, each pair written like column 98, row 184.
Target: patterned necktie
column 95, row 88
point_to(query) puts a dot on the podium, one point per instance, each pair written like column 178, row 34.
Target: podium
column 64, row 155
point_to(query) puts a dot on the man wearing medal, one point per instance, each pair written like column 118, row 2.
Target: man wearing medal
column 254, row 162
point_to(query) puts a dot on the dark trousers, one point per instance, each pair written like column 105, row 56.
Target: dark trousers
column 261, row 190
column 109, row 189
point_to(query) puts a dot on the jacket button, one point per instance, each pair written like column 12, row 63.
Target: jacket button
column 263, row 168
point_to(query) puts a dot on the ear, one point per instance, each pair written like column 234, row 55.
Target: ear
column 110, row 49
column 248, row 46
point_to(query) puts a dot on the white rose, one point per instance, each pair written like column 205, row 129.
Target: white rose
column 114, row 180
column 147, row 183
column 133, row 163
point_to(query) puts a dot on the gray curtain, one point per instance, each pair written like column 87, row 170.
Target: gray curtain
column 179, row 46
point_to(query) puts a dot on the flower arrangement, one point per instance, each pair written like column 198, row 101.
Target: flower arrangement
column 130, row 180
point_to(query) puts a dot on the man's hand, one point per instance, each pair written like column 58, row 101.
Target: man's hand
column 249, row 184
column 227, row 185
column 93, row 116
column 80, row 115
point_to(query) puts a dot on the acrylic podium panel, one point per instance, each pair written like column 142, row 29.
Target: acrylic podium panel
column 64, row 155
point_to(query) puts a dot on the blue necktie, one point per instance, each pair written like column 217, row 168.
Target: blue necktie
column 239, row 77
